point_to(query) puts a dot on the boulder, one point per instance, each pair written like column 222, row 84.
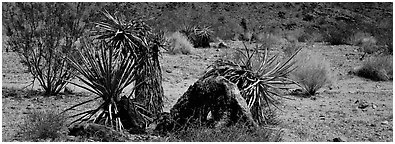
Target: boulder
column 215, row 95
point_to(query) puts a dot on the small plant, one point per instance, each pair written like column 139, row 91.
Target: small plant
column 357, row 38
column 377, row 68
column 203, row 36
column 43, row 125
column 312, row 73
column 266, row 39
column 366, row 42
column 236, row 133
column 189, row 31
column 200, row 36
column 290, row 48
column 178, row 43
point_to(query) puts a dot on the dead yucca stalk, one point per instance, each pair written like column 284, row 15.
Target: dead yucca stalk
column 117, row 57
column 259, row 81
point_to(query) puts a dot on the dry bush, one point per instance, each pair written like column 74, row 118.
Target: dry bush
column 366, row 42
column 178, row 43
column 268, row 40
column 312, row 73
column 290, row 48
column 294, row 36
column 43, row 125
column 377, row 68
column 357, row 38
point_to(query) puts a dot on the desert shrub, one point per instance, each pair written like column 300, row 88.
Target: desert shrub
column 200, row 36
column 377, row 68
column 290, row 48
column 42, row 37
column 312, row 72
column 357, row 38
column 203, row 36
column 236, row 133
column 43, row 125
column 334, row 37
column 267, row 39
column 178, row 43
column 296, row 35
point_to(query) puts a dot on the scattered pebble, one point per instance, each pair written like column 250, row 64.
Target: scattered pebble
column 322, row 117
column 374, row 106
column 384, row 122
column 340, row 139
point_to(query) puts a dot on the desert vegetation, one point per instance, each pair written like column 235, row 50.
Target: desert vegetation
column 197, row 72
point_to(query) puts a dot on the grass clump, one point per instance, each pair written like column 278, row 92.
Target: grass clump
column 313, row 72
column 236, row 133
column 43, row 125
column 179, row 43
column 377, row 68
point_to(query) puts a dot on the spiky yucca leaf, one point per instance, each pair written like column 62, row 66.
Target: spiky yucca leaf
column 258, row 85
column 204, row 31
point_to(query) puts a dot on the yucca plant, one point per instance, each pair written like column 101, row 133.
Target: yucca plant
column 258, row 82
column 117, row 56
column 203, row 36
column 189, row 31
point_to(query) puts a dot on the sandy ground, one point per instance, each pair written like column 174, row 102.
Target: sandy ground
column 333, row 113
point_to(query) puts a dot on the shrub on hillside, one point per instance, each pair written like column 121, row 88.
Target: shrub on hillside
column 268, row 40
column 377, row 68
column 178, row 43
column 312, row 73
column 357, row 38
column 290, row 48
column 43, row 125
column 200, row 36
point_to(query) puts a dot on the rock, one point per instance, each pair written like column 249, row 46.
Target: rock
column 384, row 122
column 223, row 45
column 169, row 71
column 374, row 106
column 67, row 91
column 213, row 94
column 322, row 117
column 340, row 139
column 362, row 104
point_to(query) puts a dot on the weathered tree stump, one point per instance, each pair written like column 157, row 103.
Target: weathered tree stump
column 213, row 94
